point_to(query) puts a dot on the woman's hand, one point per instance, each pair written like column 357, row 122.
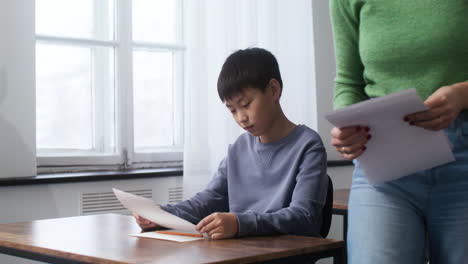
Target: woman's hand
column 350, row 141
column 219, row 225
column 144, row 223
column 444, row 106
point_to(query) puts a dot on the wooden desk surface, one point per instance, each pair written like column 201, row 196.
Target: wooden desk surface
column 104, row 239
column 340, row 199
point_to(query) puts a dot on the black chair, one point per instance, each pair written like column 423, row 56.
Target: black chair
column 327, row 210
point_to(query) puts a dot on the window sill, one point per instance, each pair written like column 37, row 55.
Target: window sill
column 48, row 178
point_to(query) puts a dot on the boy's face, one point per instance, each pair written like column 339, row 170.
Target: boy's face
column 254, row 110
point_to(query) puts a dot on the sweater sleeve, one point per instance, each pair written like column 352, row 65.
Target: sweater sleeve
column 303, row 216
column 212, row 199
column 349, row 80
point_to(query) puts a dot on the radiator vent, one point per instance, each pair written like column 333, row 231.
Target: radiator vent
column 175, row 194
column 106, row 202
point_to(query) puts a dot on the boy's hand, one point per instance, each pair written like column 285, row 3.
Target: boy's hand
column 219, row 225
column 144, row 223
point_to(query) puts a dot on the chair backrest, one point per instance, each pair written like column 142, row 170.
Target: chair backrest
column 327, row 210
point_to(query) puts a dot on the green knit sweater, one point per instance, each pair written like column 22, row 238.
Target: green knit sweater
column 385, row 46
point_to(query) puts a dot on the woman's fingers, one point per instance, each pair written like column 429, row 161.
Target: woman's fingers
column 345, row 132
column 444, row 105
column 435, row 124
column 350, row 141
column 355, row 144
column 353, row 155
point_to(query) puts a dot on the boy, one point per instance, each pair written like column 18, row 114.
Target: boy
column 273, row 179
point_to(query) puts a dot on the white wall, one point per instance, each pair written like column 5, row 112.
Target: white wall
column 324, row 71
column 17, row 89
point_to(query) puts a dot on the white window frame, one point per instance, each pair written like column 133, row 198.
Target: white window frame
column 123, row 46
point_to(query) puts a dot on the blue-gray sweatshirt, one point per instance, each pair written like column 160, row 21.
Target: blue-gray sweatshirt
column 273, row 188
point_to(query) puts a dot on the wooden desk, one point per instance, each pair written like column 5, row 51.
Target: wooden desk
column 104, row 239
column 340, row 207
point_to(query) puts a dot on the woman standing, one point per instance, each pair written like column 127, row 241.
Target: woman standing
column 383, row 47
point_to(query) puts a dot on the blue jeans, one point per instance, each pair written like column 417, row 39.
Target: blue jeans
column 395, row 222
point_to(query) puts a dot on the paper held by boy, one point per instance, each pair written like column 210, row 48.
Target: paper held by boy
column 396, row 149
column 179, row 230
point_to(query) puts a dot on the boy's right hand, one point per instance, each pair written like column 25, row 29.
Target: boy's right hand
column 350, row 141
column 144, row 223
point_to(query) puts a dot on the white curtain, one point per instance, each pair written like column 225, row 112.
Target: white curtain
column 213, row 30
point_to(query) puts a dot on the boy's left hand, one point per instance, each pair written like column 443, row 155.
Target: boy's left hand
column 444, row 106
column 219, row 225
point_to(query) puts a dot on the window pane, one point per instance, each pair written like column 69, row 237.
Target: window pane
column 153, row 100
column 154, row 21
column 72, row 84
column 75, row 18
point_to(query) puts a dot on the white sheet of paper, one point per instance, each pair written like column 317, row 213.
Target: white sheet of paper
column 166, row 237
column 149, row 210
column 396, row 149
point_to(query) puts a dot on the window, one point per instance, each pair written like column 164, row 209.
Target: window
column 109, row 83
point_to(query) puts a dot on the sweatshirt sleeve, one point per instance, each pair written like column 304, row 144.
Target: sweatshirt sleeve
column 303, row 216
column 349, row 80
column 212, row 199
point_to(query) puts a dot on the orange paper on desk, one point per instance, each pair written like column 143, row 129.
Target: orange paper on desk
column 170, row 234
column 178, row 233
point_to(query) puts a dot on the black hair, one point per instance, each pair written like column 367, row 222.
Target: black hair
column 252, row 67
